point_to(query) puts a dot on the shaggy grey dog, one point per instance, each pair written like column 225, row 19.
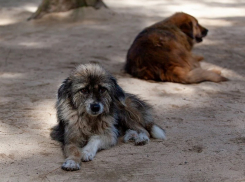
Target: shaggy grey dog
column 93, row 110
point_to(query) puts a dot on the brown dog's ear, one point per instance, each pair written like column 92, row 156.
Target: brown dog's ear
column 187, row 28
column 118, row 92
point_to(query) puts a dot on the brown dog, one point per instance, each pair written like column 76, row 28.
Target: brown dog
column 162, row 52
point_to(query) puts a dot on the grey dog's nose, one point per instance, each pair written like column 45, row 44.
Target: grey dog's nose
column 95, row 107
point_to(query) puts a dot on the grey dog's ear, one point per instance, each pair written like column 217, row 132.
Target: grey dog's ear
column 118, row 92
column 65, row 89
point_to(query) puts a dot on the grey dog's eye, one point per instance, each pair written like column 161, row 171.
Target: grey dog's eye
column 84, row 90
column 102, row 90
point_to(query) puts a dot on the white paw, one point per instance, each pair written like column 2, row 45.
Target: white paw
column 87, row 155
column 130, row 135
column 70, row 165
column 142, row 139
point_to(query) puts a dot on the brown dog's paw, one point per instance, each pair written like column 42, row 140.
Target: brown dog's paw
column 223, row 79
column 198, row 58
column 219, row 78
column 216, row 71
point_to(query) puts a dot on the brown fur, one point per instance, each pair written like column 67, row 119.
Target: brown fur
column 162, row 52
column 93, row 110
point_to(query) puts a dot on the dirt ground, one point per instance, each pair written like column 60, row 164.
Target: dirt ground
column 205, row 123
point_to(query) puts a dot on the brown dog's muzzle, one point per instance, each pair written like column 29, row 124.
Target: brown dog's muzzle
column 204, row 32
column 198, row 39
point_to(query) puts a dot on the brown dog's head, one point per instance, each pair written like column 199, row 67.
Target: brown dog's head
column 189, row 25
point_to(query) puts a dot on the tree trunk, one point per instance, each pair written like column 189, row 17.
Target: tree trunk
column 50, row 6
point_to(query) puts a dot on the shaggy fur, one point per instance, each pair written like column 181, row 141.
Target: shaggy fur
column 162, row 52
column 93, row 110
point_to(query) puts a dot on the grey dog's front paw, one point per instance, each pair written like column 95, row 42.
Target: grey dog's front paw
column 87, row 155
column 70, row 165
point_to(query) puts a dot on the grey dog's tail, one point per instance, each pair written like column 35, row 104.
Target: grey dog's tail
column 157, row 132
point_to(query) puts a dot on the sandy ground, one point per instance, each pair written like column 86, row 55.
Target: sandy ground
column 205, row 123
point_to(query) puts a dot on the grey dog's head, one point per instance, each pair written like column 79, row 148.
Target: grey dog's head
column 90, row 89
